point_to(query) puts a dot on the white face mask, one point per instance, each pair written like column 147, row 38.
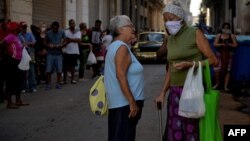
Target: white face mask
column 173, row 26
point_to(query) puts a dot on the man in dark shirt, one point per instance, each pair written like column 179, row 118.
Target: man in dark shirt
column 95, row 35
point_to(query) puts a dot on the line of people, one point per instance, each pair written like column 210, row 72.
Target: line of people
column 51, row 49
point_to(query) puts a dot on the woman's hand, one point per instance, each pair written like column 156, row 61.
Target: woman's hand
column 134, row 109
column 44, row 52
column 182, row 65
column 51, row 45
column 160, row 99
column 91, row 47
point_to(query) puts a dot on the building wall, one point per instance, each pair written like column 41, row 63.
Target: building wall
column 90, row 10
column 241, row 20
column 220, row 12
column 100, row 9
column 82, row 10
column 77, row 10
column 70, row 7
column 19, row 10
column 112, row 5
column 47, row 11
column 152, row 18
column 134, row 11
column 104, row 13
column 137, row 6
column 2, row 9
column 228, row 13
column 93, row 12
column 125, row 7
column 160, row 26
column 217, row 15
column 155, row 16
column 138, row 12
column 156, row 22
column 242, row 17
column 119, row 7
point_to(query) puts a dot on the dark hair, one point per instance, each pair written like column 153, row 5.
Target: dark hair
column 1, row 20
column 55, row 23
column 226, row 24
column 81, row 25
column 98, row 21
column 107, row 31
column 71, row 20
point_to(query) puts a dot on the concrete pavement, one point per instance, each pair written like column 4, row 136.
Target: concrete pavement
column 64, row 115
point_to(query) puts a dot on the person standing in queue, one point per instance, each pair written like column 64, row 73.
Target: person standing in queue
column 71, row 51
column 55, row 41
column 95, row 38
column 12, row 56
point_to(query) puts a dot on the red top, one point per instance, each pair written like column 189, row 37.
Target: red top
column 3, row 34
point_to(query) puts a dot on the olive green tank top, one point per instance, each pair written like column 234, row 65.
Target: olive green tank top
column 182, row 47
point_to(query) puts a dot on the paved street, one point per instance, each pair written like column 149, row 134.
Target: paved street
column 64, row 115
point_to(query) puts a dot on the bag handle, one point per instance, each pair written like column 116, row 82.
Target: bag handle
column 199, row 73
column 207, row 77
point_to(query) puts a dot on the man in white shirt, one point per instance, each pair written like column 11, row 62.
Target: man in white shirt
column 71, row 51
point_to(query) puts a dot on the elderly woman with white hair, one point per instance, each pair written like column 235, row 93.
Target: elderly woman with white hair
column 185, row 45
column 124, row 82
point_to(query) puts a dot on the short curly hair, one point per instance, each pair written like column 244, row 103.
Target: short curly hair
column 117, row 22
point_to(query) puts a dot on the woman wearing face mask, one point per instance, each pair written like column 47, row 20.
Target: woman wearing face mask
column 224, row 42
column 184, row 45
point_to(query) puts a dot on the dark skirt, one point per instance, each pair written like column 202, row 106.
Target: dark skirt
column 13, row 76
column 179, row 128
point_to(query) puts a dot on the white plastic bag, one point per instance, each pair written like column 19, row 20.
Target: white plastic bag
column 25, row 61
column 191, row 104
column 91, row 59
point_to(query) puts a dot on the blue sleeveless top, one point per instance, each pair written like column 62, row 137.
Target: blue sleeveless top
column 135, row 77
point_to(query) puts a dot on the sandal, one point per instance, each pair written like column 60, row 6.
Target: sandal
column 22, row 104
column 12, row 106
column 73, row 82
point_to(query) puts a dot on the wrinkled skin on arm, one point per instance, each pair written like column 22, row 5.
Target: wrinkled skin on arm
column 122, row 62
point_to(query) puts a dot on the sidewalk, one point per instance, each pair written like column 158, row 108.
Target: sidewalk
column 65, row 114
column 230, row 111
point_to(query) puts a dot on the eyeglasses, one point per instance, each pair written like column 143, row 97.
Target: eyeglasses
column 130, row 26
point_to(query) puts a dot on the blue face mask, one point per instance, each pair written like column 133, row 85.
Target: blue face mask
column 173, row 26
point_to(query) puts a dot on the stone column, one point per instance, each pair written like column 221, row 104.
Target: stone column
column 82, row 11
column 70, row 11
column 93, row 11
column 104, row 13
